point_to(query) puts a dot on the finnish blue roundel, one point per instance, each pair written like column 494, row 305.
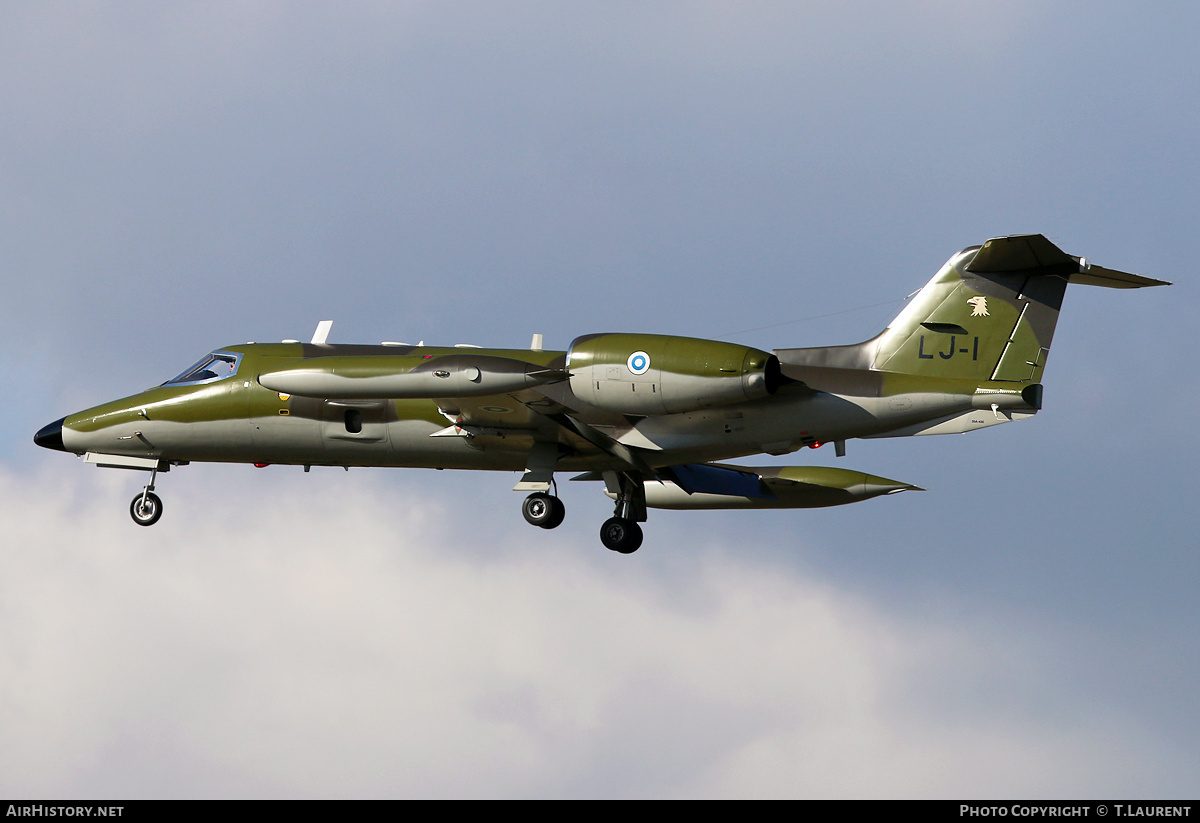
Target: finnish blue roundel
column 638, row 362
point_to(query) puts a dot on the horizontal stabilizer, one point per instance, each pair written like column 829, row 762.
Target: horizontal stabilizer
column 1089, row 275
column 1034, row 253
column 1022, row 252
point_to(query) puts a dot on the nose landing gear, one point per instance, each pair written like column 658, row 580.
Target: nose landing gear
column 147, row 507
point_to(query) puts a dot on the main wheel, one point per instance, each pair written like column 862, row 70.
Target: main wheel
column 147, row 514
column 542, row 510
column 621, row 535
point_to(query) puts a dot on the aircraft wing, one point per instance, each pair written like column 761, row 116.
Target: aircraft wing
column 487, row 397
column 519, row 410
column 538, row 418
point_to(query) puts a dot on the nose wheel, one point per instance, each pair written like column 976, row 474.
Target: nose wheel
column 543, row 510
column 146, row 508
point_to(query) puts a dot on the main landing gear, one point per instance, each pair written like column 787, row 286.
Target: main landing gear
column 620, row 533
column 543, row 510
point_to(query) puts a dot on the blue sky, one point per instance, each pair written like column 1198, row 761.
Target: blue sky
column 177, row 178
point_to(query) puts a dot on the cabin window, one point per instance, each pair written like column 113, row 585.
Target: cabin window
column 215, row 366
column 353, row 421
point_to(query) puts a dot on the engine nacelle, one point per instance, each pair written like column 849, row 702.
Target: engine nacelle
column 648, row 374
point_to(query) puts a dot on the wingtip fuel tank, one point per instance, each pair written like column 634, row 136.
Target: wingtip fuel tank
column 777, row 487
column 406, row 377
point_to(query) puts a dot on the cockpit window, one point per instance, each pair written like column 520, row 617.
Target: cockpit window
column 211, row 367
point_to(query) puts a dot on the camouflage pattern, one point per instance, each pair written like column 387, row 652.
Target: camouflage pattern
column 967, row 352
column 656, row 374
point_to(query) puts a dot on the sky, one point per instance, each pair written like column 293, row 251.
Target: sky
column 179, row 177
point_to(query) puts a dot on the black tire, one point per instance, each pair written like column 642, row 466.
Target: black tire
column 146, row 515
column 556, row 519
column 621, row 535
column 543, row 510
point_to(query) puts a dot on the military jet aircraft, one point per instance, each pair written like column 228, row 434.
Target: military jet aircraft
column 648, row 415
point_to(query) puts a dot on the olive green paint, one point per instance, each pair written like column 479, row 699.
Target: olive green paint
column 967, row 352
column 679, row 355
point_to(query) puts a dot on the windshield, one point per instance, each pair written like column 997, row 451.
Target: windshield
column 213, row 366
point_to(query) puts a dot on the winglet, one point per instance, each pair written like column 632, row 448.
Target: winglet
column 322, row 333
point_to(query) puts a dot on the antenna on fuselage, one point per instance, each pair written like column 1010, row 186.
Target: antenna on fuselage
column 322, row 333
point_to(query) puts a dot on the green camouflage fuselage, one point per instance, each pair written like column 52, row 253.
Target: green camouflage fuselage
column 967, row 352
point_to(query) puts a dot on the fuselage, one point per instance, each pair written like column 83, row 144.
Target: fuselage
column 218, row 411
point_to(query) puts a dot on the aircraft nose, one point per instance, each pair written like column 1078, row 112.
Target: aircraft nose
column 50, row 435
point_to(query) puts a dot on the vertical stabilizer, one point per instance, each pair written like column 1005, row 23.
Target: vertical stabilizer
column 989, row 314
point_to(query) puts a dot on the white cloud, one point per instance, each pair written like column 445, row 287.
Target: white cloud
column 321, row 640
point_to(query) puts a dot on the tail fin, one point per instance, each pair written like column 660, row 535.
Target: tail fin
column 988, row 314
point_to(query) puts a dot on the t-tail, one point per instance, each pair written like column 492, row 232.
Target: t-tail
column 987, row 315
column 986, row 318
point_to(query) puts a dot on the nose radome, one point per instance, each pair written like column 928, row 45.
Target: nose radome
column 50, row 435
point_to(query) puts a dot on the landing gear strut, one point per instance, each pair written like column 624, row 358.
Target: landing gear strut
column 146, row 508
column 621, row 532
column 543, row 510
column 540, row 509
